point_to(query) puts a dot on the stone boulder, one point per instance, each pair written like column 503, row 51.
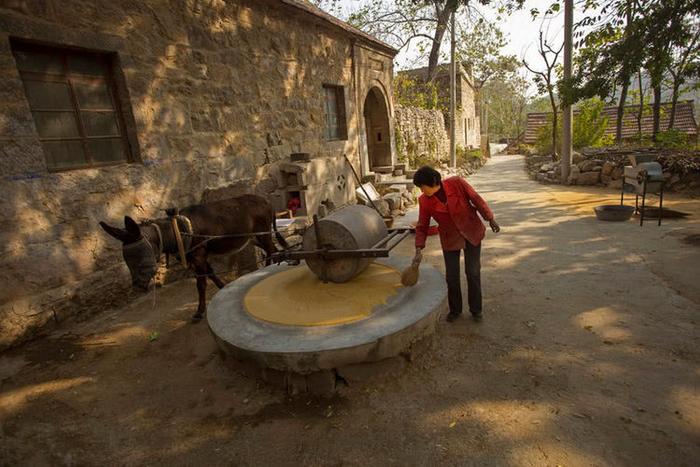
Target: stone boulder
column 588, row 178
column 382, row 206
column 395, row 201
column 397, row 188
column 574, row 175
column 607, row 169
column 547, row 167
column 589, row 165
column 617, row 173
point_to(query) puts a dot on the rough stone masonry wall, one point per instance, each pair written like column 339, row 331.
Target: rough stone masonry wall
column 220, row 91
column 605, row 167
column 420, row 135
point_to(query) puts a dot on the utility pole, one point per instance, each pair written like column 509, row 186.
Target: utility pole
column 453, row 91
column 566, row 110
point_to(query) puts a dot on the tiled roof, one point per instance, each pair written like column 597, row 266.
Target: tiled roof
column 685, row 121
column 310, row 8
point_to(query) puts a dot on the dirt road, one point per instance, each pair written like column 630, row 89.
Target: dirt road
column 588, row 355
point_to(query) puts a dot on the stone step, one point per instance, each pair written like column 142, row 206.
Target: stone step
column 383, row 169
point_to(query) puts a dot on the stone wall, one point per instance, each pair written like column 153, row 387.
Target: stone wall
column 605, row 167
column 220, row 93
column 420, row 135
column 467, row 125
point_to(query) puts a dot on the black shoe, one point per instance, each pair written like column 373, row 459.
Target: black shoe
column 452, row 316
column 477, row 316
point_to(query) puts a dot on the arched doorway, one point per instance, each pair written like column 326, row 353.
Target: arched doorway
column 377, row 128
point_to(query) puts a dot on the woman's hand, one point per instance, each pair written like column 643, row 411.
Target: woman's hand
column 418, row 257
column 494, row 225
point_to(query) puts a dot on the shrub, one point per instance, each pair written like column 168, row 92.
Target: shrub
column 588, row 131
column 672, row 139
column 543, row 143
column 410, row 92
column 590, row 124
column 465, row 156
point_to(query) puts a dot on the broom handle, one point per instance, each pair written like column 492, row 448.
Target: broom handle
column 359, row 182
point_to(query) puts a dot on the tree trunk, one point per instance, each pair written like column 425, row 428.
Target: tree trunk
column 674, row 103
column 621, row 112
column 625, row 79
column 657, row 111
column 640, row 114
column 554, row 124
column 443, row 16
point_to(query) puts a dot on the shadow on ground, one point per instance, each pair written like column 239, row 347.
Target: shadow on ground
column 588, row 355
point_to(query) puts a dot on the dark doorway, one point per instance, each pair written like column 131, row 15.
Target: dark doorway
column 377, row 126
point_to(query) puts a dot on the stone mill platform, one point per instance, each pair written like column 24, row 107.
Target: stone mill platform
column 304, row 334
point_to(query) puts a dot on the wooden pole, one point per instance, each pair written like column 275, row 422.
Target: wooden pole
column 567, row 112
column 453, row 92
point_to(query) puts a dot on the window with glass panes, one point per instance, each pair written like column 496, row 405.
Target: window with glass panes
column 336, row 127
column 72, row 98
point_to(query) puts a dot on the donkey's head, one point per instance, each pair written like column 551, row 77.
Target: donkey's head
column 139, row 254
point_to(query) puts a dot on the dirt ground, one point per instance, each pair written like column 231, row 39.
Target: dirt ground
column 588, row 355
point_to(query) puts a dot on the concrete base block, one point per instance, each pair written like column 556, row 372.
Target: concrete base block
column 306, row 358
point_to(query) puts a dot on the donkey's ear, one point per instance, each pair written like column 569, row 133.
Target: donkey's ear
column 120, row 234
column 132, row 227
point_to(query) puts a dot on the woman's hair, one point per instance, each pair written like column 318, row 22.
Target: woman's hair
column 426, row 176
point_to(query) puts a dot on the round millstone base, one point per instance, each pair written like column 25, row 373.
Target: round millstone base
column 313, row 355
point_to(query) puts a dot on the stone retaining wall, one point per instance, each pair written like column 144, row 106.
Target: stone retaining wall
column 681, row 171
column 420, row 135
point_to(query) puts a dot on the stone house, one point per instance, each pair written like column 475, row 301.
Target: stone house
column 467, row 119
column 115, row 107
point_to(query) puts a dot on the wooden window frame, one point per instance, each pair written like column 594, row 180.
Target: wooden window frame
column 341, row 126
column 68, row 78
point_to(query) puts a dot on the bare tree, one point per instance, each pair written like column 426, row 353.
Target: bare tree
column 401, row 22
column 546, row 81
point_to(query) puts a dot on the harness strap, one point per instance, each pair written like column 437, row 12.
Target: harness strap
column 160, row 239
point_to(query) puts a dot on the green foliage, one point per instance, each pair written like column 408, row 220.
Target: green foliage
column 398, row 142
column 605, row 141
column 407, row 150
column 540, row 104
column 480, row 48
column 672, row 139
column 589, row 124
column 410, row 92
column 543, row 142
column 505, row 100
column 589, row 129
column 465, row 154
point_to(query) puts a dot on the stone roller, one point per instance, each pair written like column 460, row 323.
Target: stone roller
column 354, row 227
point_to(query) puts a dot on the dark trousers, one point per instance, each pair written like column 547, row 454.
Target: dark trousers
column 472, row 267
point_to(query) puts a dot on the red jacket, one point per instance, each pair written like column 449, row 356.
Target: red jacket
column 458, row 220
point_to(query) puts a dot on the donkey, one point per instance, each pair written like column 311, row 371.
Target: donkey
column 214, row 228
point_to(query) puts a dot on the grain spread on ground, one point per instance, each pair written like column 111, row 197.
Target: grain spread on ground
column 297, row 297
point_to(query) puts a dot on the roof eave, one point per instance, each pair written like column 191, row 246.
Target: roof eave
column 357, row 33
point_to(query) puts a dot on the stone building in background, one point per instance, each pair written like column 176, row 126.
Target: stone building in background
column 115, row 107
column 467, row 119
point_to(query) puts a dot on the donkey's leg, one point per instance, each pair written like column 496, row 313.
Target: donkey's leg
column 265, row 242
column 200, row 266
column 202, row 289
column 214, row 278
